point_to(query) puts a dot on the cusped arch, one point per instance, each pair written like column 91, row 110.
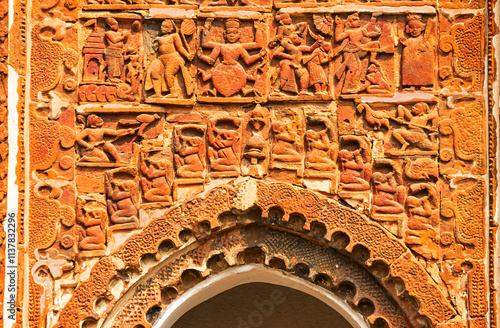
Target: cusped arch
column 200, row 217
column 252, row 273
column 265, row 246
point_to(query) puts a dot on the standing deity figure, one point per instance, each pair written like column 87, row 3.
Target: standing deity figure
column 418, row 53
column 228, row 76
column 115, row 46
column 134, row 54
column 357, row 43
column 162, row 72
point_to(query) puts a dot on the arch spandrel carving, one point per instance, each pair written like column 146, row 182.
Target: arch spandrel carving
column 248, row 196
column 352, row 125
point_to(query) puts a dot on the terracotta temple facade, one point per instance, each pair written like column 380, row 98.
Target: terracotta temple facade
column 148, row 147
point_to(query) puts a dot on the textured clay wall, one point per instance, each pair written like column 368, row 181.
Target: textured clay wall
column 349, row 143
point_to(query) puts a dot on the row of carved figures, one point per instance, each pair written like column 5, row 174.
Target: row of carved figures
column 315, row 58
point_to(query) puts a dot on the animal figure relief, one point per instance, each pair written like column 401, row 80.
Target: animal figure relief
column 375, row 118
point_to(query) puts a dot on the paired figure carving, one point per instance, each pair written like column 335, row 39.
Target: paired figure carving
column 301, row 66
column 357, row 68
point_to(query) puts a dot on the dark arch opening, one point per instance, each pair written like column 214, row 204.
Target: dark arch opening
column 262, row 305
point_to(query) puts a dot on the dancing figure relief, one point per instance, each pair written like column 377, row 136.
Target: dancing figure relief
column 301, row 69
column 356, row 66
column 227, row 75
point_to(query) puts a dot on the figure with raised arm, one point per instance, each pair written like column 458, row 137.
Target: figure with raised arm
column 228, row 76
column 162, row 72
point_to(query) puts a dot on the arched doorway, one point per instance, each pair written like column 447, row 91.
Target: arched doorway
column 256, row 296
column 275, row 225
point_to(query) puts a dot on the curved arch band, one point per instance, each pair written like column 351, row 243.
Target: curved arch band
column 250, row 196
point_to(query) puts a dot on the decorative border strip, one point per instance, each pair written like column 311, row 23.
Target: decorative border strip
column 492, row 165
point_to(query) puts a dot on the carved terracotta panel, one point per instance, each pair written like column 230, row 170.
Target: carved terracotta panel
column 351, row 143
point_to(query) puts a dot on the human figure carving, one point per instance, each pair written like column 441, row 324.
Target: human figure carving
column 115, row 44
column 134, row 54
column 286, row 139
column 376, row 81
column 255, row 145
column 418, row 53
column 156, row 182
column 228, row 76
column 355, row 171
column 94, row 136
column 424, row 213
column 286, row 28
column 92, row 222
column 317, row 76
column 162, row 72
column 357, row 43
column 388, row 195
column 290, row 52
column 417, row 120
column 322, row 150
column 223, row 137
column 189, row 152
column 121, row 205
